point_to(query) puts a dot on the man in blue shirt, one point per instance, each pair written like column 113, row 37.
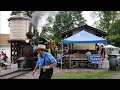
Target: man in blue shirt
column 45, row 62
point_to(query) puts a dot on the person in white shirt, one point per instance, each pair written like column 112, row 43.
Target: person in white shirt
column 88, row 53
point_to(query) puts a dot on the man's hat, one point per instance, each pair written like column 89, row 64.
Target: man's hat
column 41, row 46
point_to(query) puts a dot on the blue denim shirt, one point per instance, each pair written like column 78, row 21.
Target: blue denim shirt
column 49, row 59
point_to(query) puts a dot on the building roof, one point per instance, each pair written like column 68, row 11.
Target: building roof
column 19, row 18
column 4, row 38
column 63, row 34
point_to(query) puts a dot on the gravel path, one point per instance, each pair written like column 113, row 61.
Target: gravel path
column 58, row 71
column 115, row 77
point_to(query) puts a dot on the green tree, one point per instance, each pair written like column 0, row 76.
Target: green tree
column 109, row 21
column 46, row 32
column 47, row 29
column 63, row 21
column 106, row 18
column 66, row 20
column 114, row 31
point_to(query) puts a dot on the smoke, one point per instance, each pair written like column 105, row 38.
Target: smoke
column 40, row 18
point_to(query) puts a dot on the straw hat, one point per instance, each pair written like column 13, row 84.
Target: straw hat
column 41, row 46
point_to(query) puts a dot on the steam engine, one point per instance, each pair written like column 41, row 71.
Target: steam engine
column 29, row 58
column 24, row 41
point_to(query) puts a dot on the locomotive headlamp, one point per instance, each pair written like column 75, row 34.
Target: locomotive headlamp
column 27, row 40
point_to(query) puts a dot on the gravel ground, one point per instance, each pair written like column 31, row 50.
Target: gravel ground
column 115, row 77
column 13, row 68
column 58, row 71
column 29, row 76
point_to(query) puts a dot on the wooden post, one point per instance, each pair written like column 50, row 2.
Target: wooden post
column 11, row 51
column 62, row 53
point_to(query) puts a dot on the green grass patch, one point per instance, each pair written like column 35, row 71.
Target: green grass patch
column 86, row 75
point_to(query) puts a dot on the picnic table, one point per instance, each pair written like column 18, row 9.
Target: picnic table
column 82, row 60
column 68, row 59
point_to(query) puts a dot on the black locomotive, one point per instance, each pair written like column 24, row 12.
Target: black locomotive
column 30, row 55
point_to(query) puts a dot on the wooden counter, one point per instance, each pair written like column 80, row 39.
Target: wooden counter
column 81, row 58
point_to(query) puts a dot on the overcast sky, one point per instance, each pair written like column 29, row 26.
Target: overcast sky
column 4, row 28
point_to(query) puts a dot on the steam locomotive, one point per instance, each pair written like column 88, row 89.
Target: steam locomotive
column 30, row 55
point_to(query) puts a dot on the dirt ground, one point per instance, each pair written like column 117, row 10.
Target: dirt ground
column 59, row 71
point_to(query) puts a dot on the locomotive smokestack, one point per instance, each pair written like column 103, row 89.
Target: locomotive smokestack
column 30, row 27
column 29, row 35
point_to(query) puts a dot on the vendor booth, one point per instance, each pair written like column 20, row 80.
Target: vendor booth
column 82, row 37
column 110, row 49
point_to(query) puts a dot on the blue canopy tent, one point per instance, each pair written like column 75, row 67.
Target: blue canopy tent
column 83, row 37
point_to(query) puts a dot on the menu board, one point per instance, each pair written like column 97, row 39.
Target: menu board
column 95, row 58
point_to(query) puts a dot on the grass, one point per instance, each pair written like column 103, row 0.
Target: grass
column 86, row 75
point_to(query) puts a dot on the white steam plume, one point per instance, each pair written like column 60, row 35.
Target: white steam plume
column 39, row 19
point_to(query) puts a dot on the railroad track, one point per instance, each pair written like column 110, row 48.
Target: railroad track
column 14, row 74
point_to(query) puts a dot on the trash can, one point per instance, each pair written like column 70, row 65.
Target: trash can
column 114, row 62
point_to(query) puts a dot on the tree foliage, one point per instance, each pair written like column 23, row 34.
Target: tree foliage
column 114, row 31
column 106, row 18
column 109, row 21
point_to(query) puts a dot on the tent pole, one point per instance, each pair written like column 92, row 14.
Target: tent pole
column 62, row 53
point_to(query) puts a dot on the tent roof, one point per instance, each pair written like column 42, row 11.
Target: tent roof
column 110, row 46
column 83, row 37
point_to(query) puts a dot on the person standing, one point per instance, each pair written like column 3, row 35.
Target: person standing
column 45, row 62
column 97, row 48
column 103, row 52
column 65, row 51
column 56, row 51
